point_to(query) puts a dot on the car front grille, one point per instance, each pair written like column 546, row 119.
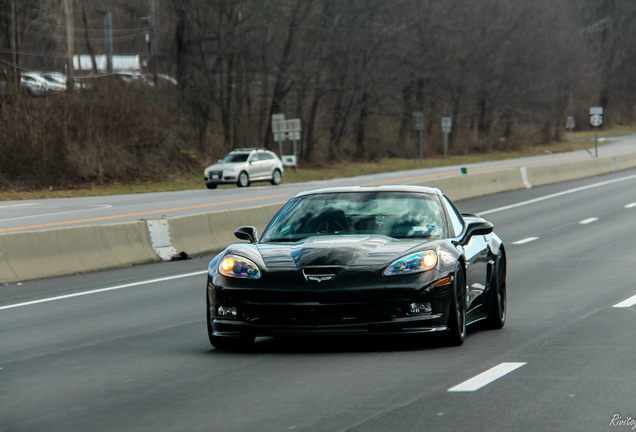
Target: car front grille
column 319, row 315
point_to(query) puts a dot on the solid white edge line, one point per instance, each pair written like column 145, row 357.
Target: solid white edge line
column 556, row 195
column 113, row 288
column 626, row 303
column 525, row 240
column 486, row 377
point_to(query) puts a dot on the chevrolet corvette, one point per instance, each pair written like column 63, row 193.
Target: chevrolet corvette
column 359, row 260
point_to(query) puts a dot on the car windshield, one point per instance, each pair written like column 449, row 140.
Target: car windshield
column 235, row 158
column 393, row 214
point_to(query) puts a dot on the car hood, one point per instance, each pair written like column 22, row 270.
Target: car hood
column 340, row 251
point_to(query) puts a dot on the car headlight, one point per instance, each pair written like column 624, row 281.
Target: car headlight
column 414, row 263
column 238, row 267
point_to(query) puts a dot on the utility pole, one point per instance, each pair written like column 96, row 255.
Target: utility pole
column 153, row 41
column 108, row 36
column 14, row 49
column 68, row 12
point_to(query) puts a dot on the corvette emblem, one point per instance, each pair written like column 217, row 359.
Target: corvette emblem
column 319, row 278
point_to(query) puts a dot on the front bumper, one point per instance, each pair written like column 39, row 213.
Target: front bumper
column 220, row 177
column 391, row 315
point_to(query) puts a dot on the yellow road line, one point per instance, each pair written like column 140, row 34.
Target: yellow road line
column 103, row 218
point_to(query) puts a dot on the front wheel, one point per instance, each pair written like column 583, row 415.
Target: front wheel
column 277, row 177
column 456, row 333
column 497, row 297
column 243, row 180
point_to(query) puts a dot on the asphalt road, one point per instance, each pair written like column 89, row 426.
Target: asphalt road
column 127, row 350
column 29, row 215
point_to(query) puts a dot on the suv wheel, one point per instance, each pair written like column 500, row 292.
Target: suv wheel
column 277, row 177
column 243, row 180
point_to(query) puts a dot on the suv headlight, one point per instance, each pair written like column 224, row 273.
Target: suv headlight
column 414, row 263
column 238, row 267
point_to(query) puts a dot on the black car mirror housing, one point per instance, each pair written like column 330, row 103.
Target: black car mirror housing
column 475, row 229
column 248, row 233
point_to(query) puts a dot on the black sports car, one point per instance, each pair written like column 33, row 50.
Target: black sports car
column 359, row 260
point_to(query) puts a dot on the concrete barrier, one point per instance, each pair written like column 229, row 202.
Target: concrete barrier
column 208, row 232
column 479, row 184
column 56, row 252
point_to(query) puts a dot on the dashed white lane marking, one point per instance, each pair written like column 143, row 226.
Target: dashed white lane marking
column 525, row 240
column 630, row 206
column 626, row 303
column 117, row 287
column 556, row 195
column 588, row 221
column 485, row 378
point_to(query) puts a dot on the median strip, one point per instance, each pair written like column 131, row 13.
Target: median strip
column 104, row 218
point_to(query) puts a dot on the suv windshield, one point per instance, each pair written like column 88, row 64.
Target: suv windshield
column 394, row 214
column 235, row 158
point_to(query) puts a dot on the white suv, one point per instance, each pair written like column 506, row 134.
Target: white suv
column 243, row 166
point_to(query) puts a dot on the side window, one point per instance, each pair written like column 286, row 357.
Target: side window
column 266, row 156
column 255, row 157
column 457, row 223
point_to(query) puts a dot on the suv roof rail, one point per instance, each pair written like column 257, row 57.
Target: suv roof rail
column 249, row 149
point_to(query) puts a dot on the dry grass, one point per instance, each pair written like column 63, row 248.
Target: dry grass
column 194, row 180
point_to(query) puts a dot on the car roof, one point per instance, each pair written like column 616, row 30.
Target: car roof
column 249, row 150
column 381, row 188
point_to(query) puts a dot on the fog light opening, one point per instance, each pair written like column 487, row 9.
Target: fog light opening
column 420, row 308
column 226, row 312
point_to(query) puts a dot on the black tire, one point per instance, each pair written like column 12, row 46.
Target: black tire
column 277, row 177
column 456, row 333
column 211, row 185
column 243, row 180
column 497, row 298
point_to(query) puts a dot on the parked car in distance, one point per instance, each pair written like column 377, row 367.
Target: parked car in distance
column 32, row 85
column 244, row 166
column 39, row 84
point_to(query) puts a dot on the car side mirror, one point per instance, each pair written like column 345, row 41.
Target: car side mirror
column 475, row 229
column 248, row 233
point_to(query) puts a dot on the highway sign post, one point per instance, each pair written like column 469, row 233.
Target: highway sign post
column 596, row 120
column 570, row 124
column 418, row 127
column 447, row 125
column 279, row 129
column 283, row 130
